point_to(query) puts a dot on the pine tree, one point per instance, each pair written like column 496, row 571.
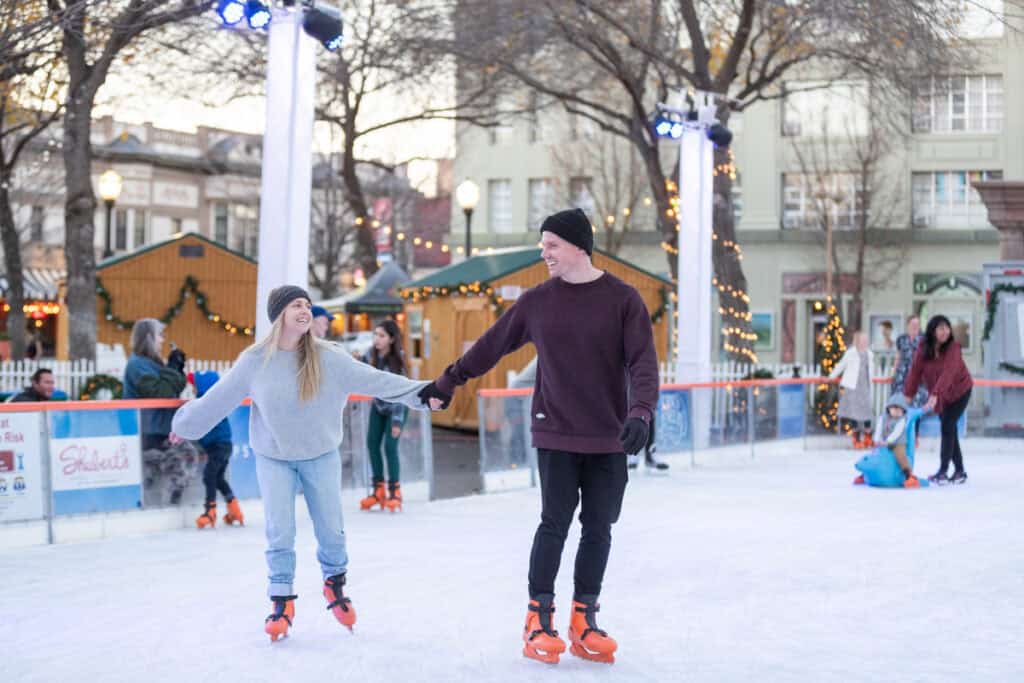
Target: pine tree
column 830, row 349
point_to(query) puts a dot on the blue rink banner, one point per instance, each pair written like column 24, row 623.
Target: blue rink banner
column 672, row 424
column 791, row 409
column 242, row 468
column 96, row 461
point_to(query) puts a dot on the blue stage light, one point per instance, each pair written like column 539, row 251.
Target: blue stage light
column 323, row 23
column 231, row 11
column 257, row 14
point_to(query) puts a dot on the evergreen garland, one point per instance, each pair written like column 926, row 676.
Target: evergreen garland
column 190, row 288
column 990, row 319
column 97, row 383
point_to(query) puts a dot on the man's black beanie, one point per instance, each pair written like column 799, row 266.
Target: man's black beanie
column 572, row 226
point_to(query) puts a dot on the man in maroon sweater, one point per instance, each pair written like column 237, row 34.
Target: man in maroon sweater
column 593, row 336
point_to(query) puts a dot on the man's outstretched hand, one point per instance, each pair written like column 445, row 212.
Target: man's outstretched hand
column 431, row 396
column 634, row 435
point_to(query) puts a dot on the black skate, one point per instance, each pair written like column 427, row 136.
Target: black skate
column 652, row 463
column 958, row 478
column 939, row 478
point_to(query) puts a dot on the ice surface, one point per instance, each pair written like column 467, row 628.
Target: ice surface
column 772, row 570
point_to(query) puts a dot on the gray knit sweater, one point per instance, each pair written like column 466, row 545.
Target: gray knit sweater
column 280, row 424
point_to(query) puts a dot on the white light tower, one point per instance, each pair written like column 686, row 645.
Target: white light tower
column 286, row 182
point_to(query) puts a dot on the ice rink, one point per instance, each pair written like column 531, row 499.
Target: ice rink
column 773, row 570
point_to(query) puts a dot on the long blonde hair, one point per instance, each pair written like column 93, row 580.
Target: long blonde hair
column 309, row 358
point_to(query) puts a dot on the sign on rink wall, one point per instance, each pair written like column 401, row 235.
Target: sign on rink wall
column 96, row 461
column 21, row 472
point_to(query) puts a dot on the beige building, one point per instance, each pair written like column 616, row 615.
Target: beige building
column 963, row 127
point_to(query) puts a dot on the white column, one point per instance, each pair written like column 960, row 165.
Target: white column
column 696, row 163
column 286, row 181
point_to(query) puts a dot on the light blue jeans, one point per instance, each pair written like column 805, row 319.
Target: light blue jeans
column 321, row 486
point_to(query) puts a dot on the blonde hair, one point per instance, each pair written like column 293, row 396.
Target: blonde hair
column 309, row 358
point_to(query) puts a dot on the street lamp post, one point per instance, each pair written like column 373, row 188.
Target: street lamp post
column 110, row 190
column 467, row 194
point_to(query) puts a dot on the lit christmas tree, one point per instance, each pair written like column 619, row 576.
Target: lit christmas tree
column 831, row 348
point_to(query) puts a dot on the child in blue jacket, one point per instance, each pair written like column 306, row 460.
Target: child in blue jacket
column 218, row 447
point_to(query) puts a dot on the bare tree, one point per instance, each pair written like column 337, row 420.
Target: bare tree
column 606, row 179
column 333, row 229
column 856, row 203
column 31, row 77
column 92, row 37
column 612, row 62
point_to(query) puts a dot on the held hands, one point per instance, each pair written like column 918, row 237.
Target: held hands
column 176, row 360
column 634, row 435
column 431, row 396
column 174, row 439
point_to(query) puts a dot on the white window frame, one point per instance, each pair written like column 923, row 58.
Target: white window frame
column 540, row 201
column 948, row 212
column 943, row 102
column 499, row 205
column 844, row 216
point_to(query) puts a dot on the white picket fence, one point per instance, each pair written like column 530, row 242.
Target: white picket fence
column 70, row 376
column 731, row 371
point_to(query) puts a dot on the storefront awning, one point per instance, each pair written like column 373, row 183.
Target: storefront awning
column 40, row 283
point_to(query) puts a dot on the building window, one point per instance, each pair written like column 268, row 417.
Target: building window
column 246, row 236
column 140, row 228
column 959, row 104
column 36, row 223
column 581, row 128
column 220, row 223
column 945, row 199
column 176, row 226
column 542, row 202
column 818, row 109
column 807, row 200
column 581, row 195
column 499, row 204
column 536, row 130
column 501, row 134
column 120, row 229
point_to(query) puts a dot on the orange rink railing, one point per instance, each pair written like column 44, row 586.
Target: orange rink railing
column 740, row 383
column 116, row 404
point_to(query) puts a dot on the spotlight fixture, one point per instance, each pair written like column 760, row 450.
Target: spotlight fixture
column 323, row 23
column 668, row 125
column 257, row 14
column 231, row 11
column 719, row 135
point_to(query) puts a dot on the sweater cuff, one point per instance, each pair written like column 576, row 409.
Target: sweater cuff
column 445, row 384
column 642, row 413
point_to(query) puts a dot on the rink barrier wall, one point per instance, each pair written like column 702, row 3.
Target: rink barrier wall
column 742, row 415
column 74, row 470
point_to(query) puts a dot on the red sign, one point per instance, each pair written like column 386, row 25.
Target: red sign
column 6, row 461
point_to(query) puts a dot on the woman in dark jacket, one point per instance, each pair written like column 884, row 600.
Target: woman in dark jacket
column 146, row 376
column 939, row 366
column 386, row 420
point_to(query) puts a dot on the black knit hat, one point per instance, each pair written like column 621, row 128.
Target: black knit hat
column 281, row 296
column 573, row 226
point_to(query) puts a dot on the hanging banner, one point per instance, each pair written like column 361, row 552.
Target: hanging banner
column 21, row 475
column 96, row 461
column 672, row 424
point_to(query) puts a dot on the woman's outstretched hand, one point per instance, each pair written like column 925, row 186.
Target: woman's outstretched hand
column 431, row 396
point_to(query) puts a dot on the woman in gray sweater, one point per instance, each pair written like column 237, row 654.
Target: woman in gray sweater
column 298, row 386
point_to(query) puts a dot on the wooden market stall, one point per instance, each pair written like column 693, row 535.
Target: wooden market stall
column 449, row 309
column 204, row 292
column 361, row 309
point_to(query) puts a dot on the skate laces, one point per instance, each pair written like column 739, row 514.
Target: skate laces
column 544, row 617
column 337, row 587
column 589, row 611
column 279, row 605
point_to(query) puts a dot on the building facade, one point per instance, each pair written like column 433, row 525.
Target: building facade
column 929, row 231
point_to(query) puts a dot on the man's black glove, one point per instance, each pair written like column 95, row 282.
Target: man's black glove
column 634, row 435
column 431, row 391
column 177, row 360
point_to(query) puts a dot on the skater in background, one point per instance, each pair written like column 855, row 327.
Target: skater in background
column 218, row 446
column 322, row 320
column 855, row 402
column 41, row 388
column 906, row 347
column 593, row 336
column 939, row 366
column 298, row 385
column 146, row 376
column 890, row 431
column 386, row 420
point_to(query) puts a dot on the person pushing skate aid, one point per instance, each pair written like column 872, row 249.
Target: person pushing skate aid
column 594, row 341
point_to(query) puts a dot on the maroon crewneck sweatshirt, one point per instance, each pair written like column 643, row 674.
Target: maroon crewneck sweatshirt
column 592, row 339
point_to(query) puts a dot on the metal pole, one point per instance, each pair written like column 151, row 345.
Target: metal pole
column 427, row 439
column 107, row 253
column 481, row 430
column 46, row 470
column 469, row 232
column 751, row 413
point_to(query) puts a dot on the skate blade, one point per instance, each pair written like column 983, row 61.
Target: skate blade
column 583, row 653
column 546, row 657
column 275, row 637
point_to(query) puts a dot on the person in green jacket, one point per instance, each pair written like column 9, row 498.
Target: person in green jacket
column 386, row 420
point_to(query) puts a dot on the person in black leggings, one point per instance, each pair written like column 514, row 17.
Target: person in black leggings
column 939, row 365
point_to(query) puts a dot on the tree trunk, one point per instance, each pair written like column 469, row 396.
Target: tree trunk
column 366, row 248
column 79, row 210
column 727, row 262
column 12, row 264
